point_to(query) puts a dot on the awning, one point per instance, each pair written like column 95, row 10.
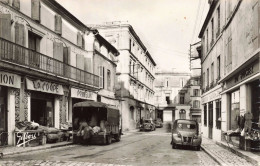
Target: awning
column 94, row 104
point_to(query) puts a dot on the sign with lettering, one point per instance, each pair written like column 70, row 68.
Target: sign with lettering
column 243, row 74
column 44, row 86
column 23, row 138
column 11, row 80
column 83, row 94
column 212, row 96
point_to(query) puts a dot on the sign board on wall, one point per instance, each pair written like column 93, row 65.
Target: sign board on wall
column 83, row 94
column 44, row 86
column 212, row 96
column 11, row 80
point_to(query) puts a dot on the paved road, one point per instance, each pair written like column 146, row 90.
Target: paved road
column 143, row 148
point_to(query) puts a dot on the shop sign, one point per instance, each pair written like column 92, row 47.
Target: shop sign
column 243, row 74
column 212, row 96
column 44, row 86
column 11, row 80
column 83, row 94
column 25, row 137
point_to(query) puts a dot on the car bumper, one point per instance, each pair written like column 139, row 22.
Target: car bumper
column 180, row 141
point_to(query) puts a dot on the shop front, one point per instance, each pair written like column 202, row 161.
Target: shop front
column 9, row 84
column 241, row 95
column 211, row 113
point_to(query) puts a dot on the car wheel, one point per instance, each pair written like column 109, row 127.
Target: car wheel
column 174, row 146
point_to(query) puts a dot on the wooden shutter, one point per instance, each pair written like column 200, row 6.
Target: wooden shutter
column 5, row 26
column 88, row 65
column 101, row 76
column 66, row 60
column 35, row 9
column 58, row 51
column 16, row 4
column 19, row 34
column 79, row 39
column 58, row 24
column 80, row 61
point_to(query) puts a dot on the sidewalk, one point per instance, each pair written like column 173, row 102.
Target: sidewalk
column 226, row 156
column 10, row 150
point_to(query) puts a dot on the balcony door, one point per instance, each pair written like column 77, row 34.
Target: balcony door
column 34, row 45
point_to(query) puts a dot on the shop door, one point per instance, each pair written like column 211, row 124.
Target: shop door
column 3, row 116
column 210, row 119
column 38, row 111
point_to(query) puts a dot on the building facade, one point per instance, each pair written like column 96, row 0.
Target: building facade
column 230, row 67
column 135, row 73
column 172, row 95
column 46, row 64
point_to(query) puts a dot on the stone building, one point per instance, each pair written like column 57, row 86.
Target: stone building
column 172, row 95
column 230, row 66
column 47, row 63
column 135, row 73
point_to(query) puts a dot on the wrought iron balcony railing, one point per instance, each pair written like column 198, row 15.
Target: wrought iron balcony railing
column 15, row 53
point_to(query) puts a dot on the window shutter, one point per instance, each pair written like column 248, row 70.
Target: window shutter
column 5, row 26
column 88, row 66
column 58, row 24
column 19, row 34
column 16, row 4
column 101, row 76
column 35, row 10
column 79, row 39
column 66, row 55
column 58, row 51
column 80, row 61
column 83, row 43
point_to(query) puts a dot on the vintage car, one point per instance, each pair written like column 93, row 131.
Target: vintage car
column 186, row 133
column 148, row 124
column 158, row 123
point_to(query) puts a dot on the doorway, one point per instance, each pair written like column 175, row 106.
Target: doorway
column 3, row 115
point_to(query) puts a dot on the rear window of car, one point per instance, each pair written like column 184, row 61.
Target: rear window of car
column 186, row 126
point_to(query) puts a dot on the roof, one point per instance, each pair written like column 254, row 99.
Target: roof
column 132, row 31
column 105, row 42
column 58, row 8
column 93, row 104
column 211, row 10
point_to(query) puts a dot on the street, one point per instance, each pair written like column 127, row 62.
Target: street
column 141, row 148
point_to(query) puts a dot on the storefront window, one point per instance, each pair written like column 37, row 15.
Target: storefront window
column 218, row 114
column 235, row 110
column 205, row 114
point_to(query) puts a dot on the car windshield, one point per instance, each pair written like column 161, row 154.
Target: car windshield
column 186, row 126
column 147, row 121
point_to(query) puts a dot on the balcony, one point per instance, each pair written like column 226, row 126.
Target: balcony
column 17, row 54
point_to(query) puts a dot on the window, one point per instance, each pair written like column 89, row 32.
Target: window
column 205, row 114
column 212, row 73
column 207, row 40
column 58, row 24
column 35, row 10
column 229, row 53
column 132, row 112
column 212, row 31
column 218, row 68
column 218, row 114
column 203, row 77
column 34, row 44
column 79, row 39
column 196, row 104
column 5, row 28
column 108, row 79
column 218, row 26
column 195, row 92
column 168, row 99
column 182, row 113
column 207, row 77
column 182, row 98
column 101, row 76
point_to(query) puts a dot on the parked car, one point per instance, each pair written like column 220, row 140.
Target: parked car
column 148, row 124
column 158, row 123
column 186, row 133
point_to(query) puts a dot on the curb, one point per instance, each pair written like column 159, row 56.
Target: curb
column 211, row 155
column 248, row 158
column 35, row 149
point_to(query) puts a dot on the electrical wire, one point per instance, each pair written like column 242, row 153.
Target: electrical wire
column 195, row 25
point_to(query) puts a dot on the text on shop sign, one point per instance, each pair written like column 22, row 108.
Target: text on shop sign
column 8, row 79
column 83, row 94
column 23, row 138
column 244, row 73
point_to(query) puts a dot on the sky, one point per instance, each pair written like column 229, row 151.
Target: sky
column 166, row 27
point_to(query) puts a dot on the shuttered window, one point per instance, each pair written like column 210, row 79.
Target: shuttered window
column 35, row 9
column 20, row 34
column 33, row 44
column 58, row 51
column 66, row 60
column 88, row 65
column 16, row 4
column 108, row 79
column 79, row 39
column 58, row 24
column 5, row 28
column 101, row 76
column 80, row 61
